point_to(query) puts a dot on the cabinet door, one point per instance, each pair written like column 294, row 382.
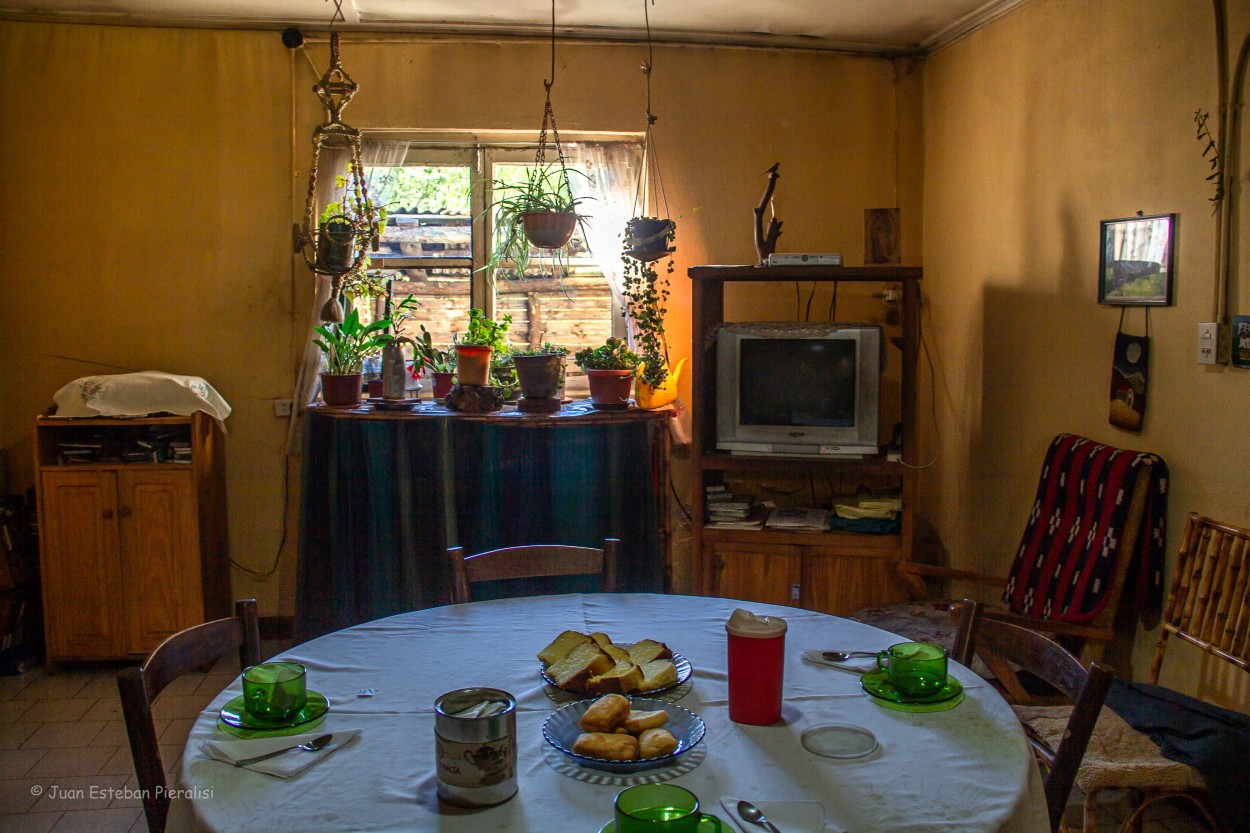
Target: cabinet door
column 770, row 573
column 82, row 585
column 843, row 584
column 160, row 555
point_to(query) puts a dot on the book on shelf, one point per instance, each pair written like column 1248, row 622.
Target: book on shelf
column 801, row 519
column 753, row 520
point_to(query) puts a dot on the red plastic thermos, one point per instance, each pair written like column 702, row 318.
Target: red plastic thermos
column 757, row 647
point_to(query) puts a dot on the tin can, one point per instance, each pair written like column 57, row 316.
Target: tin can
column 475, row 755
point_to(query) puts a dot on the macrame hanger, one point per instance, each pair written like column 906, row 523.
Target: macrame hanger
column 650, row 159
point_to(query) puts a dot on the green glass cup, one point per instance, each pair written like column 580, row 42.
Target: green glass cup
column 916, row 669
column 662, row 808
column 275, row 691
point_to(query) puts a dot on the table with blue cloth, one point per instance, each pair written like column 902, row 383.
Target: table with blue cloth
column 385, row 494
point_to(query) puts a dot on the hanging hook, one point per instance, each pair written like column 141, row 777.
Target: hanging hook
column 549, row 83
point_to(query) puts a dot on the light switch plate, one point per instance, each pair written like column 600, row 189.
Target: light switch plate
column 1208, row 343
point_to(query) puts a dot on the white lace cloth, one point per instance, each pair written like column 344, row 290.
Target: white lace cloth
column 967, row 770
column 139, row 394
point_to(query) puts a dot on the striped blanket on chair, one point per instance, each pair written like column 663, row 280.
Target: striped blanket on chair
column 1066, row 563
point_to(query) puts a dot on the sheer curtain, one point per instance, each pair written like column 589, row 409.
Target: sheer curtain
column 613, row 170
column 373, row 154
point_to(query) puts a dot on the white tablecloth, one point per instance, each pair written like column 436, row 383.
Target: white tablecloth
column 966, row 770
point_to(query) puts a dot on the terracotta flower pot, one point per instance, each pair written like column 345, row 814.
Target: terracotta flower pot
column 442, row 383
column 548, row 230
column 539, row 376
column 473, row 364
column 610, row 388
column 646, row 238
column 341, row 391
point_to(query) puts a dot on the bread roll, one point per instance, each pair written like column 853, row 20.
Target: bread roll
column 656, row 742
column 612, row 747
column 605, row 714
column 641, row 721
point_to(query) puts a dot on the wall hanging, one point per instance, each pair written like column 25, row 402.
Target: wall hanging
column 1128, row 377
column 334, row 242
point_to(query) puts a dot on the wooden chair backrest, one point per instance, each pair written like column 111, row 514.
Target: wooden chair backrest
column 1208, row 603
column 1086, row 688
column 139, row 687
column 533, row 561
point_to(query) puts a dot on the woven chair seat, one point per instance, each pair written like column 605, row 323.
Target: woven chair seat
column 1118, row 756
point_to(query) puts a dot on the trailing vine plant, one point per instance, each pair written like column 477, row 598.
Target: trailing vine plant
column 646, row 299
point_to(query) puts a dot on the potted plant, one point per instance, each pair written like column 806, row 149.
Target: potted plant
column 340, row 223
column 540, row 372
column 440, row 363
column 345, row 346
column 646, row 295
column 540, row 211
column 473, row 352
column 610, row 369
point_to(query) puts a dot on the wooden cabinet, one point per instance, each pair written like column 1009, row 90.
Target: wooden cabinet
column 132, row 552
column 833, row 572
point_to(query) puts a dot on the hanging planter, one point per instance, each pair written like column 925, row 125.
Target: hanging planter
column 648, row 239
column 336, row 245
column 549, row 229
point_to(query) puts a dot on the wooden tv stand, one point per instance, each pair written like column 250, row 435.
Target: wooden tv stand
column 833, row 572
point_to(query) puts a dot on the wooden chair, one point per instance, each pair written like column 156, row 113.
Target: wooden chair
column 1208, row 606
column 1072, row 528
column 534, row 561
column 140, row 686
column 1046, row 659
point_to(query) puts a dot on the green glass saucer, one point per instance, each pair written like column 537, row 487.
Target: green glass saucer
column 877, row 683
column 938, row 704
column 610, row 827
column 236, row 717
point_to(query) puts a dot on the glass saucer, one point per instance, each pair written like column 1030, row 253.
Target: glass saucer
column 705, row 826
column 233, row 714
column 838, row 740
column 877, row 683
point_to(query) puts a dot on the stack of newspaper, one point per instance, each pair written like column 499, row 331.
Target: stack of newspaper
column 799, row 519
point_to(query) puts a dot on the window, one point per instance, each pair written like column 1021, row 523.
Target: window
column 435, row 248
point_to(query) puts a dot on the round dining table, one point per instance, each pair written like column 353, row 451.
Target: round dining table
column 968, row 769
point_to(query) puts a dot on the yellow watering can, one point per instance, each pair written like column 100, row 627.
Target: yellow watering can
column 649, row 398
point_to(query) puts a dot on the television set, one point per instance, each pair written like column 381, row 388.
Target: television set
column 804, row 390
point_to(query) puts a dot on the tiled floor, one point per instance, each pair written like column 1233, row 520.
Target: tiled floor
column 65, row 763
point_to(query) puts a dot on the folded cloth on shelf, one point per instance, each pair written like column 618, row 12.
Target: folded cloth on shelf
column 286, row 765
column 1214, row 741
column 857, row 665
column 139, row 394
column 788, row 816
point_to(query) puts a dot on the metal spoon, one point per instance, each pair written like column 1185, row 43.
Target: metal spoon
column 315, row 745
column 843, row 656
column 753, row 814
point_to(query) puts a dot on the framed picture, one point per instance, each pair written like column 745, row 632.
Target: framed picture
column 1135, row 261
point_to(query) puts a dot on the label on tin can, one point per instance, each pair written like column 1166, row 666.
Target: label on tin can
column 475, row 764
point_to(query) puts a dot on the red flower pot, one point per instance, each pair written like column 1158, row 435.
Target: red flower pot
column 341, row 391
column 442, row 383
column 610, row 388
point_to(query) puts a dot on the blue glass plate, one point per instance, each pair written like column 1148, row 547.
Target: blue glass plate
column 562, row 728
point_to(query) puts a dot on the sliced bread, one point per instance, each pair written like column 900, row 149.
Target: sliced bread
column 619, row 654
column 574, row 671
column 658, row 673
column 648, row 650
column 622, row 679
column 562, row 646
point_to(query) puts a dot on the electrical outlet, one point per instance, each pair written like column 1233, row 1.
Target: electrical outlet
column 1208, row 343
column 282, row 407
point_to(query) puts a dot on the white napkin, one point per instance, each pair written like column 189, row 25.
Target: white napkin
column 286, row 765
column 789, row 816
column 857, row 665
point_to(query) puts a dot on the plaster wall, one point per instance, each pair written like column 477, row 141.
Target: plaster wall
column 1055, row 117
column 181, row 156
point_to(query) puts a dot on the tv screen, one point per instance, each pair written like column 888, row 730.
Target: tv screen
column 797, row 381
